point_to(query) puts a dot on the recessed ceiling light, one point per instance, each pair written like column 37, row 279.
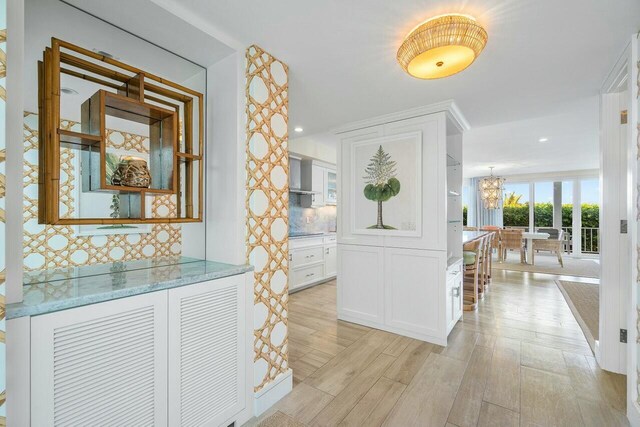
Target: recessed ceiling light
column 298, row 129
column 543, row 139
column 68, row 91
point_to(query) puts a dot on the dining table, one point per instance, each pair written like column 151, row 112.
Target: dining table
column 530, row 237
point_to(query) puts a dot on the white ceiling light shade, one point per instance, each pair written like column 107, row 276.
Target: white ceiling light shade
column 442, row 46
column 298, row 129
column 490, row 189
column 543, row 139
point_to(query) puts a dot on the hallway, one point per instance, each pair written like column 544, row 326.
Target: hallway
column 521, row 359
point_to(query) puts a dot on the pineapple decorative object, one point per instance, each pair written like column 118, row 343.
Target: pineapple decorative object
column 382, row 184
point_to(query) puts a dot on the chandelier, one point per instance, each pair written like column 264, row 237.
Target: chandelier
column 491, row 191
column 442, row 46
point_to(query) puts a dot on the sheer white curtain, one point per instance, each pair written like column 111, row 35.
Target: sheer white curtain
column 477, row 215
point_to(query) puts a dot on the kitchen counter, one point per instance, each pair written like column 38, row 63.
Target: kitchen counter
column 48, row 291
column 468, row 236
column 307, row 235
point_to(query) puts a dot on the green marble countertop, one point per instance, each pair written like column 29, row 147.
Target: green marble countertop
column 48, row 291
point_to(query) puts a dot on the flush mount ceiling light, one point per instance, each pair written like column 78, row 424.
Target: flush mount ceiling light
column 442, row 46
column 491, row 190
column 543, row 139
column 298, row 129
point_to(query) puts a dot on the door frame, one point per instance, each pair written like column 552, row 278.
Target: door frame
column 625, row 74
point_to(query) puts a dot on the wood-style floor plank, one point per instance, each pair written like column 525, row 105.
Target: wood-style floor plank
column 345, row 401
column 548, row 399
column 304, row 403
column 429, row 397
column 334, row 376
column 493, row 416
column 409, row 362
column 466, row 408
column 520, row 359
column 374, row 407
column 503, row 382
column 544, row 358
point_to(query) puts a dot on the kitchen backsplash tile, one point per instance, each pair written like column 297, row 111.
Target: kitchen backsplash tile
column 320, row 219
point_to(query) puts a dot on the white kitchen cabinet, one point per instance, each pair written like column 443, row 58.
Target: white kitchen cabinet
column 397, row 280
column 414, row 301
column 361, row 284
column 321, row 178
column 206, row 368
column 304, row 256
column 312, row 261
column 330, row 260
column 176, row 357
column 330, row 187
column 304, row 276
column 102, row 364
column 454, row 294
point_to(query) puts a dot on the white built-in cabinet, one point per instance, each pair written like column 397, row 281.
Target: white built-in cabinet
column 321, row 178
column 176, row 357
column 312, row 260
column 406, row 284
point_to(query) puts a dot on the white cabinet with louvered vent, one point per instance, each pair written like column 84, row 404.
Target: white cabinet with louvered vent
column 206, row 371
column 172, row 357
column 103, row 364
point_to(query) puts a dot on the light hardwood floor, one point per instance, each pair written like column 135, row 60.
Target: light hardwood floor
column 521, row 359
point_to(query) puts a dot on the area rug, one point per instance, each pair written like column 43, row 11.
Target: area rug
column 549, row 265
column 584, row 301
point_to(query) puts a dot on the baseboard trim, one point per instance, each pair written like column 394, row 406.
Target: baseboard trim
column 633, row 414
column 268, row 395
column 399, row 331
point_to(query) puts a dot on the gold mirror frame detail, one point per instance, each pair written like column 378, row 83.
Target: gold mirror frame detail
column 137, row 98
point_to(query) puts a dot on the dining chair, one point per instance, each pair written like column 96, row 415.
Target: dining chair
column 492, row 240
column 471, row 256
column 552, row 245
column 511, row 239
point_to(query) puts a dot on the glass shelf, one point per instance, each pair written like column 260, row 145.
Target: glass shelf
column 451, row 193
column 451, row 161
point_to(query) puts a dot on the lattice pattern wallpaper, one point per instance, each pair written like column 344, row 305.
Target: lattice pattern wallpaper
column 54, row 246
column 3, row 99
column 267, row 204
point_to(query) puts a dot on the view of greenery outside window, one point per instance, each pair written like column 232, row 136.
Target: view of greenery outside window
column 516, row 214
column 464, row 215
column 515, row 211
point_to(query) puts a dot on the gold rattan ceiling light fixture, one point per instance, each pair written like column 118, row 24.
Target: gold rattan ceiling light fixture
column 491, row 190
column 442, row 46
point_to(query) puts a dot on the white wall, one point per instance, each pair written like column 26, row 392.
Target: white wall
column 321, row 146
column 225, row 201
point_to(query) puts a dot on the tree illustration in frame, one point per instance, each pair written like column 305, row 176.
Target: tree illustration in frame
column 382, row 184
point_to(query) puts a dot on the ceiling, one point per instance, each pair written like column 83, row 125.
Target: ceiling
column 539, row 75
column 514, row 147
column 126, row 14
column 542, row 55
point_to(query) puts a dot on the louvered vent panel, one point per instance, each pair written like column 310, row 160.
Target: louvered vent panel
column 208, row 357
column 103, row 371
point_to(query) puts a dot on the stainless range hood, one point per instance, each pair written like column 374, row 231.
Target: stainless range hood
column 295, row 177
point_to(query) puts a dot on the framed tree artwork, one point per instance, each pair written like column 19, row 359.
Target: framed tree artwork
column 386, row 176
